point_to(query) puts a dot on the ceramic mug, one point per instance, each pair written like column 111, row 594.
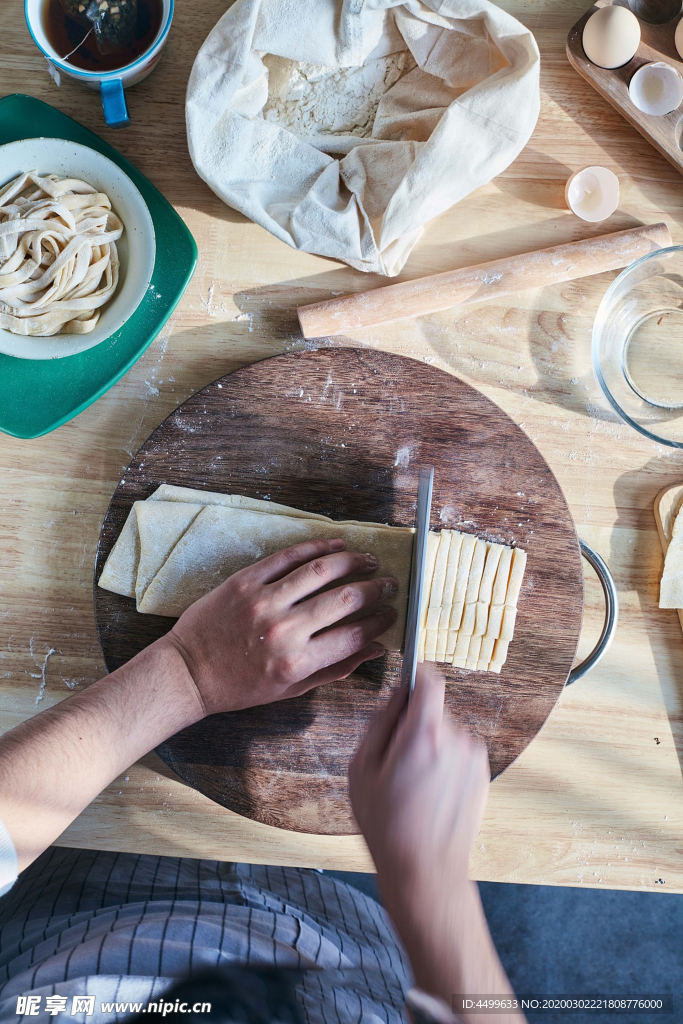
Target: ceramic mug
column 110, row 83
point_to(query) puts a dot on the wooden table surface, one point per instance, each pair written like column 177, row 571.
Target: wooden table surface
column 597, row 798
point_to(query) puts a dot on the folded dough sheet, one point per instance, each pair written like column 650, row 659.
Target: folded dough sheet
column 181, row 543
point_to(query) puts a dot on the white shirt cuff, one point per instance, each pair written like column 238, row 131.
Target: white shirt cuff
column 9, row 866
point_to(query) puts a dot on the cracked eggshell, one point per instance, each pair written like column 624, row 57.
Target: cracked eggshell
column 593, row 193
column 656, row 89
column 611, row 37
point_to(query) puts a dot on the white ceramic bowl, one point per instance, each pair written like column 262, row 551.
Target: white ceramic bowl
column 136, row 247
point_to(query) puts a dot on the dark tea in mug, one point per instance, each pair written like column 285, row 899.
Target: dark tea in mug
column 88, row 40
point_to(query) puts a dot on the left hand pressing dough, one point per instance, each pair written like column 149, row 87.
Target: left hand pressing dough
column 181, row 543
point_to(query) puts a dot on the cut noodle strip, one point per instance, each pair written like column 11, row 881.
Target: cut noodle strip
column 58, row 258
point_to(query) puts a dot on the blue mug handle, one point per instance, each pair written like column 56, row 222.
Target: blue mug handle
column 114, row 103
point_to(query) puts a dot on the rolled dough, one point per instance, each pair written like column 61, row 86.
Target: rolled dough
column 182, row 542
column 172, row 552
column 121, row 571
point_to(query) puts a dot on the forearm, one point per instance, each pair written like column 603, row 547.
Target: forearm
column 449, row 944
column 254, row 639
column 55, row 764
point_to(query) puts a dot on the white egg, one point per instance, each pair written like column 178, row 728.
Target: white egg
column 611, row 37
column 678, row 39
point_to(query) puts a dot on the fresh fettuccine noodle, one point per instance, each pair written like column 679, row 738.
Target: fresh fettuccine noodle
column 58, row 258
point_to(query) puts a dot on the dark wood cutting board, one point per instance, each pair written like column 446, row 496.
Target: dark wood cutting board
column 343, row 432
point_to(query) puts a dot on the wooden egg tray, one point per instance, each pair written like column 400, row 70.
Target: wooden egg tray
column 657, row 43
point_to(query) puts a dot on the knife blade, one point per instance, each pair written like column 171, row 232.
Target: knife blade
column 417, row 571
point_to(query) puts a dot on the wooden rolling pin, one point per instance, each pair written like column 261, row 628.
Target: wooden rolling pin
column 486, row 281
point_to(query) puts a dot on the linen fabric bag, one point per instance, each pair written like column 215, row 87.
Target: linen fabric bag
column 451, row 123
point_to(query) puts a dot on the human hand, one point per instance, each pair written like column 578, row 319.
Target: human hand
column 418, row 786
column 418, row 789
column 253, row 639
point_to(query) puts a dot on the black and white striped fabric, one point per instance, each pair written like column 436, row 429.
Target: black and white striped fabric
column 125, row 927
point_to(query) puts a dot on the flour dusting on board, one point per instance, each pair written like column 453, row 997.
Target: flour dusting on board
column 403, row 456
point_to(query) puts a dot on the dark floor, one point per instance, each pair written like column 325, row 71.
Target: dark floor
column 561, row 941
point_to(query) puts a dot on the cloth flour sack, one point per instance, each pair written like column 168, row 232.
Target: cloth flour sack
column 343, row 126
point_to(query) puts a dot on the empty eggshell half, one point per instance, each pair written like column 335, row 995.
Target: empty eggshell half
column 656, row 89
column 593, row 193
column 611, row 36
column 678, row 38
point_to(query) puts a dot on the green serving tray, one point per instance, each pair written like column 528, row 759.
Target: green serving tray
column 38, row 395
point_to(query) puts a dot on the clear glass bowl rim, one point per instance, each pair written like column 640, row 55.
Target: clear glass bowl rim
column 598, row 323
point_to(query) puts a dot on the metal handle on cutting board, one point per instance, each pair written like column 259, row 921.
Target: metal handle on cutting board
column 611, row 613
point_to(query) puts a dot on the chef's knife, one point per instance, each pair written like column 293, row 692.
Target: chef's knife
column 417, row 571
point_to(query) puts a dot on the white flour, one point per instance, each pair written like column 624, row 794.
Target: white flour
column 350, row 162
column 313, row 100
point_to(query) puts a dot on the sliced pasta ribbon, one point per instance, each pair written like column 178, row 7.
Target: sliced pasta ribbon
column 471, row 592
column 58, row 259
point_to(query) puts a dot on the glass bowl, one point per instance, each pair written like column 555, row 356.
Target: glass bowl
column 638, row 345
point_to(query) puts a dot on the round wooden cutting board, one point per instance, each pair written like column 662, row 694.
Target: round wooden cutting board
column 343, row 432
